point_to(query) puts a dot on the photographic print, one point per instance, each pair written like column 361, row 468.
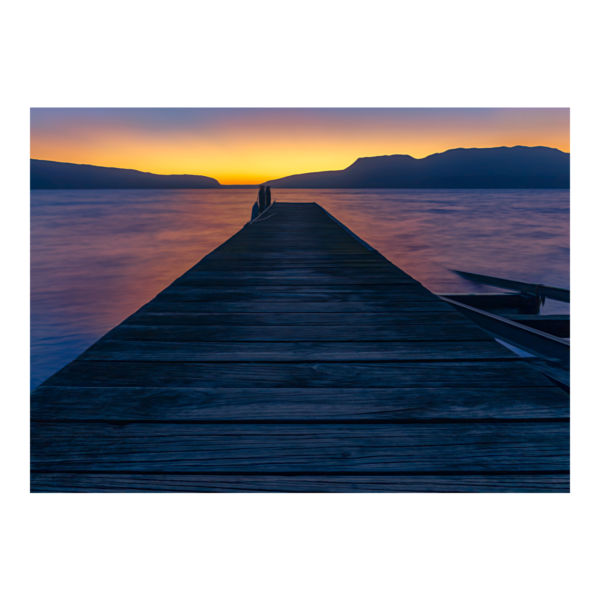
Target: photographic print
column 300, row 300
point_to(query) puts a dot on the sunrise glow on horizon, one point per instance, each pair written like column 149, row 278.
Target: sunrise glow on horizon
column 249, row 146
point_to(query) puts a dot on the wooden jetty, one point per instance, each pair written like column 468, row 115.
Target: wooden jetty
column 295, row 358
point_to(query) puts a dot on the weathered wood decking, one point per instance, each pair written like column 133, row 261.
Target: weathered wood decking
column 293, row 358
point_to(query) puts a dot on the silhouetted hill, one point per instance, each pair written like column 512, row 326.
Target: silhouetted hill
column 475, row 168
column 50, row 175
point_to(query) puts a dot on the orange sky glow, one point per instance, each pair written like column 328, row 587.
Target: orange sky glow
column 249, row 146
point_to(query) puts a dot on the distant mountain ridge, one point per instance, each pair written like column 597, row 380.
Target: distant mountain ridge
column 519, row 167
column 50, row 175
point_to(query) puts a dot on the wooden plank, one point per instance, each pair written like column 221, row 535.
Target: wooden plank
column 354, row 272
column 211, row 278
column 298, row 224
column 276, row 229
column 224, row 279
column 416, row 332
column 259, row 267
column 181, row 483
column 395, row 319
column 401, row 287
column 250, row 292
column 287, row 291
column 160, row 306
column 258, row 243
column 280, row 256
column 298, row 254
column 196, row 276
column 134, row 351
column 295, row 227
column 315, row 448
column 310, row 375
column 298, row 251
column 345, row 261
column 247, row 404
column 307, row 238
column 261, row 245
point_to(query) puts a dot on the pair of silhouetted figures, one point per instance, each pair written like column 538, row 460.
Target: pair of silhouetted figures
column 264, row 198
column 263, row 202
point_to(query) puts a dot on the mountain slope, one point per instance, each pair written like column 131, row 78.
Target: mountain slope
column 50, row 175
column 495, row 168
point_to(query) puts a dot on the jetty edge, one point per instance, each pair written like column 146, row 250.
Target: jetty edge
column 293, row 358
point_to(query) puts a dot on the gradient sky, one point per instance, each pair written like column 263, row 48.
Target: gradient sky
column 250, row 145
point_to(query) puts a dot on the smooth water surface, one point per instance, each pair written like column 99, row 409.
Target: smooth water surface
column 99, row 255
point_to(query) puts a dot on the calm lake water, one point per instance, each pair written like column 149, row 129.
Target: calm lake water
column 97, row 256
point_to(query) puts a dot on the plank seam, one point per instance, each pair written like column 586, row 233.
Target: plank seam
column 312, row 362
column 357, row 422
column 310, row 473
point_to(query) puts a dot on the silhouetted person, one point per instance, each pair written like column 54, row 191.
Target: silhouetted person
column 268, row 196
column 261, row 199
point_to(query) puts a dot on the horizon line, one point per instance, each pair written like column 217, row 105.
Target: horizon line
column 293, row 174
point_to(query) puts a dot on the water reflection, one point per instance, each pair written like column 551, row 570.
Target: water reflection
column 97, row 256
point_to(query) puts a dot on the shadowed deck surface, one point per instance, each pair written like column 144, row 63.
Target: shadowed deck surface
column 294, row 358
